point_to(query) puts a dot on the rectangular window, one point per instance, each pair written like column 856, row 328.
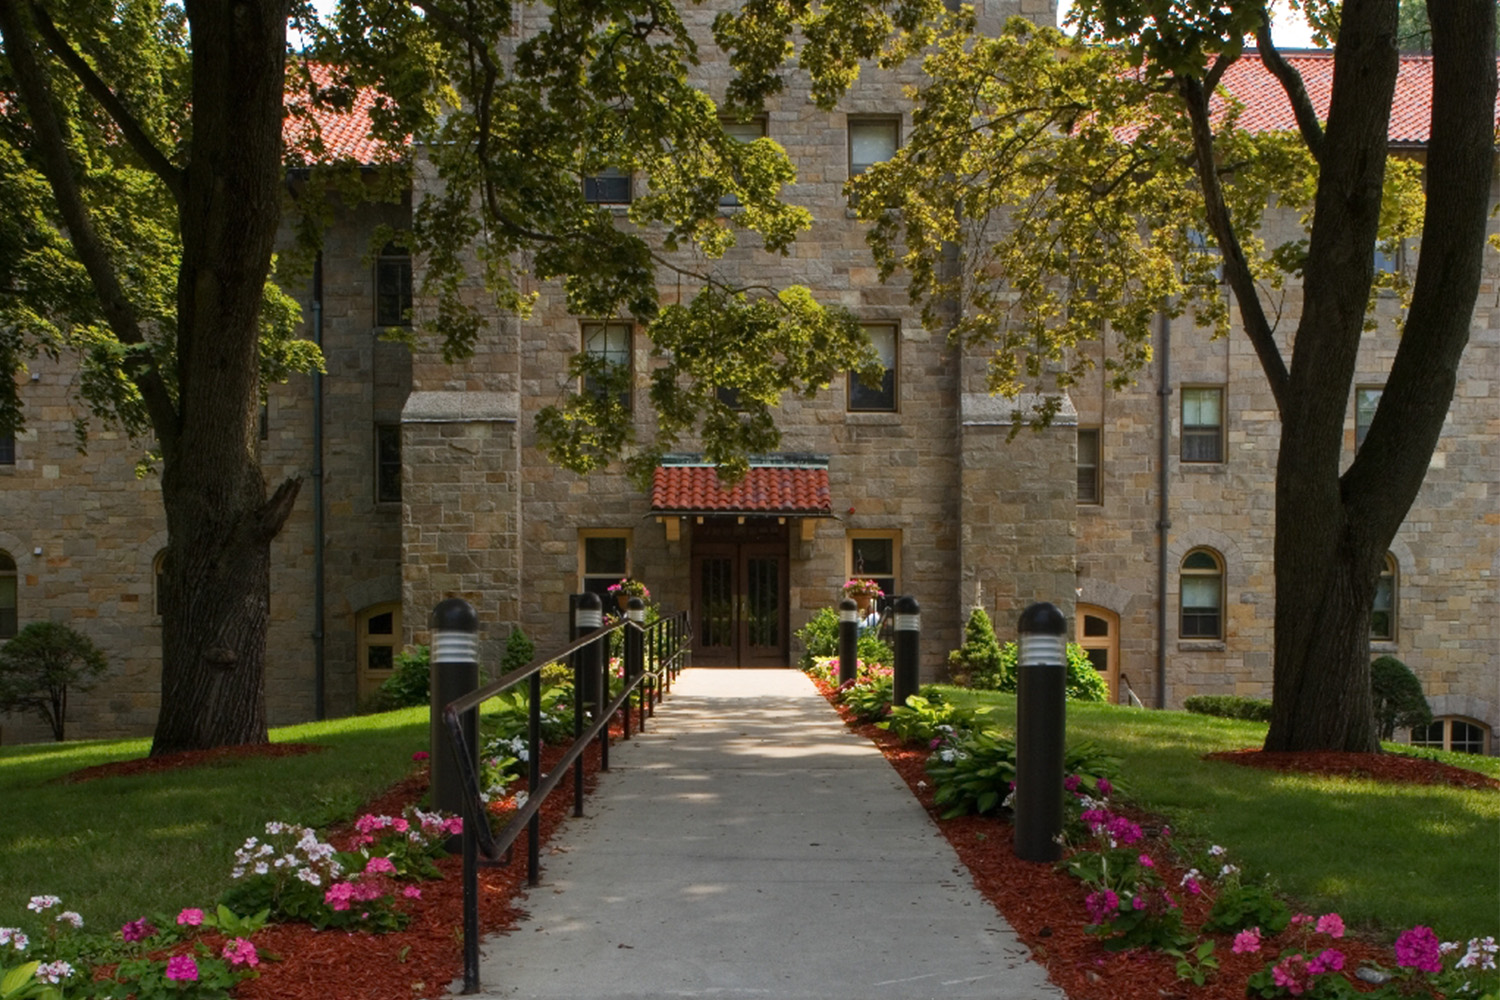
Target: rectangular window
column 729, row 397
column 1390, row 256
column 8, row 581
column 871, row 141
column 1203, row 424
column 393, row 287
column 7, row 447
column 608, row 343
column 882, row 397
column 604, row 559
column 875, row 555
column 610, row 186
column 1366, row 399
column 388, row 463
column 747, row 131
column 1088, row 465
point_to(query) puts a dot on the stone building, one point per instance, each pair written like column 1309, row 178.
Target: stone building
column 1146, row 514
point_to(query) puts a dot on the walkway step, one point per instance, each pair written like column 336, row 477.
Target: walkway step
column 750, row 846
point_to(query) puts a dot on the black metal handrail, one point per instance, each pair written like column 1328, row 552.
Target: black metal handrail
column 654, row 655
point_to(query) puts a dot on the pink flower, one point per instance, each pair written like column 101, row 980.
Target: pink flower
column 1246, row 941
column 1104, row 787
column 241, row 952
column 182, row 967
column 453, row 825
column 1138, row 903
column 1331, row 924
column 1101, row 905
column 420, row 755
column 137, row 930
column 1070, row 783
column 191, row 917
column 1146, row 862
column 412, row 892
column 1299, row 919
column 338, row 895
column 1418, row 949
column 1328, row 960
column 1292, row 974
column 380, row 866
column 400, row 825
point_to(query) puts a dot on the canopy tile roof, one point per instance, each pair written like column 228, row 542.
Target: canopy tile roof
column 765, row 490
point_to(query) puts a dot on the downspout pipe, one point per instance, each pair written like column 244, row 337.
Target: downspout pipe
column 320, row 709
column 1163, row 498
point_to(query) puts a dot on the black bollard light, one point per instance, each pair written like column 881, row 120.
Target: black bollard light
column 1041, row 718
column 453, row 673
column 588, row 615
column 635, row 657
column 908, row 632
column 848, row 640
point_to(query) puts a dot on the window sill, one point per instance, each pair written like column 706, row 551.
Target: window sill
column 1201, row 646
column 873, row 416
column 1202, row 468
column 1384, row 646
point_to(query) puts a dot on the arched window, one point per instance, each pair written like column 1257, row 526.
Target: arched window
column 7, row 595
column 1452, row 733
column 1383, row 613
column 1202, row 596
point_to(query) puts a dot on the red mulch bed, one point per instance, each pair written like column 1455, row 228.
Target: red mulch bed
column 1392, row 767
column 1046, row 906
column 188, row 758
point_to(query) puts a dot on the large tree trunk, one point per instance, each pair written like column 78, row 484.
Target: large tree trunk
column 219, row 520
column 1332, row 531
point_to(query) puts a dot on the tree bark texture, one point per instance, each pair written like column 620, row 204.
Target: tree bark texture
column 1332, row 531
column 219, row 520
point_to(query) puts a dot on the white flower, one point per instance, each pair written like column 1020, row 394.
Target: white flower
column 309, row 876
column 14, row 937
column 1009, row 800
column 40, row 903
column 261, row 868
column 1193, row 875
column 1447, row 947
column 1216, row 851
column 70, row 917
column 1481, row 952
column 520, row 799
column 265, row 849
column 921, row 784
column 237, row 873
column 1227, row 871
column 53, row 972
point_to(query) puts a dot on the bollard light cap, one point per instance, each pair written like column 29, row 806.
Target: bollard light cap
column 454, row 615
column 1042, row 618
column 635, row 610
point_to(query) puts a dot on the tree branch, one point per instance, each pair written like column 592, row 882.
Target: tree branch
column 156, row 161
column 274, row 512
column 1291, row 82
column 1236, row 269
column 56, row 165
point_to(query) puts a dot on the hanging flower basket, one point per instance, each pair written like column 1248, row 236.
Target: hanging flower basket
column 628, row 588
column 863, row 590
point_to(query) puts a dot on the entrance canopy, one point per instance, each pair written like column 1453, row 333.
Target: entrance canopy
column 776, row 486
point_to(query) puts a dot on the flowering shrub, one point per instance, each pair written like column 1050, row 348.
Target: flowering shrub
column 869, row 695
column 861, row 587
column 1307, row 969
column 925, row 720
column 629, row 588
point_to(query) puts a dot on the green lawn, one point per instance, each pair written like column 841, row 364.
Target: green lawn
column 1383, row 856
column 117, row 848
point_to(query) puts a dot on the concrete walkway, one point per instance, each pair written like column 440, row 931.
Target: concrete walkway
column 751, row 846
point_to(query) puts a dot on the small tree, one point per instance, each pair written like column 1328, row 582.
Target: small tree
column 519, row 651
column 977, row 663
column 1399, row 701
column 39, row 665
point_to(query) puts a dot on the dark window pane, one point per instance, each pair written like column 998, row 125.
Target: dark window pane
column 1466, row 737
column 881, row 397
column 873, row 556
column 7, row 598
column 380, row 657
column 1094, row 626
column 393, row 291
column 1200, row 623
column 729, row 397
column 1099, row 658
column 7, row 448
column 1088, row 465
column 1429, row 735
column 383, row 624
column 611, row 187
column 605, row 556
column 388, row 463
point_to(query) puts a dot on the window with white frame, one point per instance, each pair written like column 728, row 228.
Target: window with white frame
column 885, row 338
column 610, row 186
column 742, row 131
column 1366, row 399
column 603, row 559
column 872, row 139
column 1203, row 423
column 1202, row 595
column 608, row 344
column 393, row 287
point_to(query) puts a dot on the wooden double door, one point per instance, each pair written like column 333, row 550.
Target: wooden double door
column 740, row 594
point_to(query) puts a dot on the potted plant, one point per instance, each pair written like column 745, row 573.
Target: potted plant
column 628, row 588
column 863, row 590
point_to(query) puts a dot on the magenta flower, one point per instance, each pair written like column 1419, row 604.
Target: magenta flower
column 420, row 755
column 1292, row 975
column 1298, row 919
column 1418, row 949
column 241, row 952
column 1146, row 862
column 183, row 968
column 137, row 930
column 1101, row 905
column 1331, row 924
column 190, row 917
column 338, row 895
column 380, row 866
column 453, row 825
column 1104, row 787
column 1070, row 783
column 1246, row 941
column 1328, row 960
column 400, row 825
column 412, row 892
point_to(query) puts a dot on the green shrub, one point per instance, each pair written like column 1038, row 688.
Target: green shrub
column 519, row 650
column 1229, row 706
column 973, row 772
column 921, row 718
column 40, row 664
column 978, row 663
column 873, row 650
column 1399, row 701
column 1083, row 683
column 409, row 682
column 869, row 698
column 819, row 637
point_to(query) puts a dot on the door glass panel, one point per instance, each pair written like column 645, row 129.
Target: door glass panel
column 716, row 602
column 764, row 602
column 1093, row 626
column 1100, row 659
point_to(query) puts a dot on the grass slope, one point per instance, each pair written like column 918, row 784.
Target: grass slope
column 117, row 848
column 1383, row 856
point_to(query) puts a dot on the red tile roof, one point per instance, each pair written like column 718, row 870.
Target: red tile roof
column 346, row 133
column 695, row 489
column 1267, row 109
